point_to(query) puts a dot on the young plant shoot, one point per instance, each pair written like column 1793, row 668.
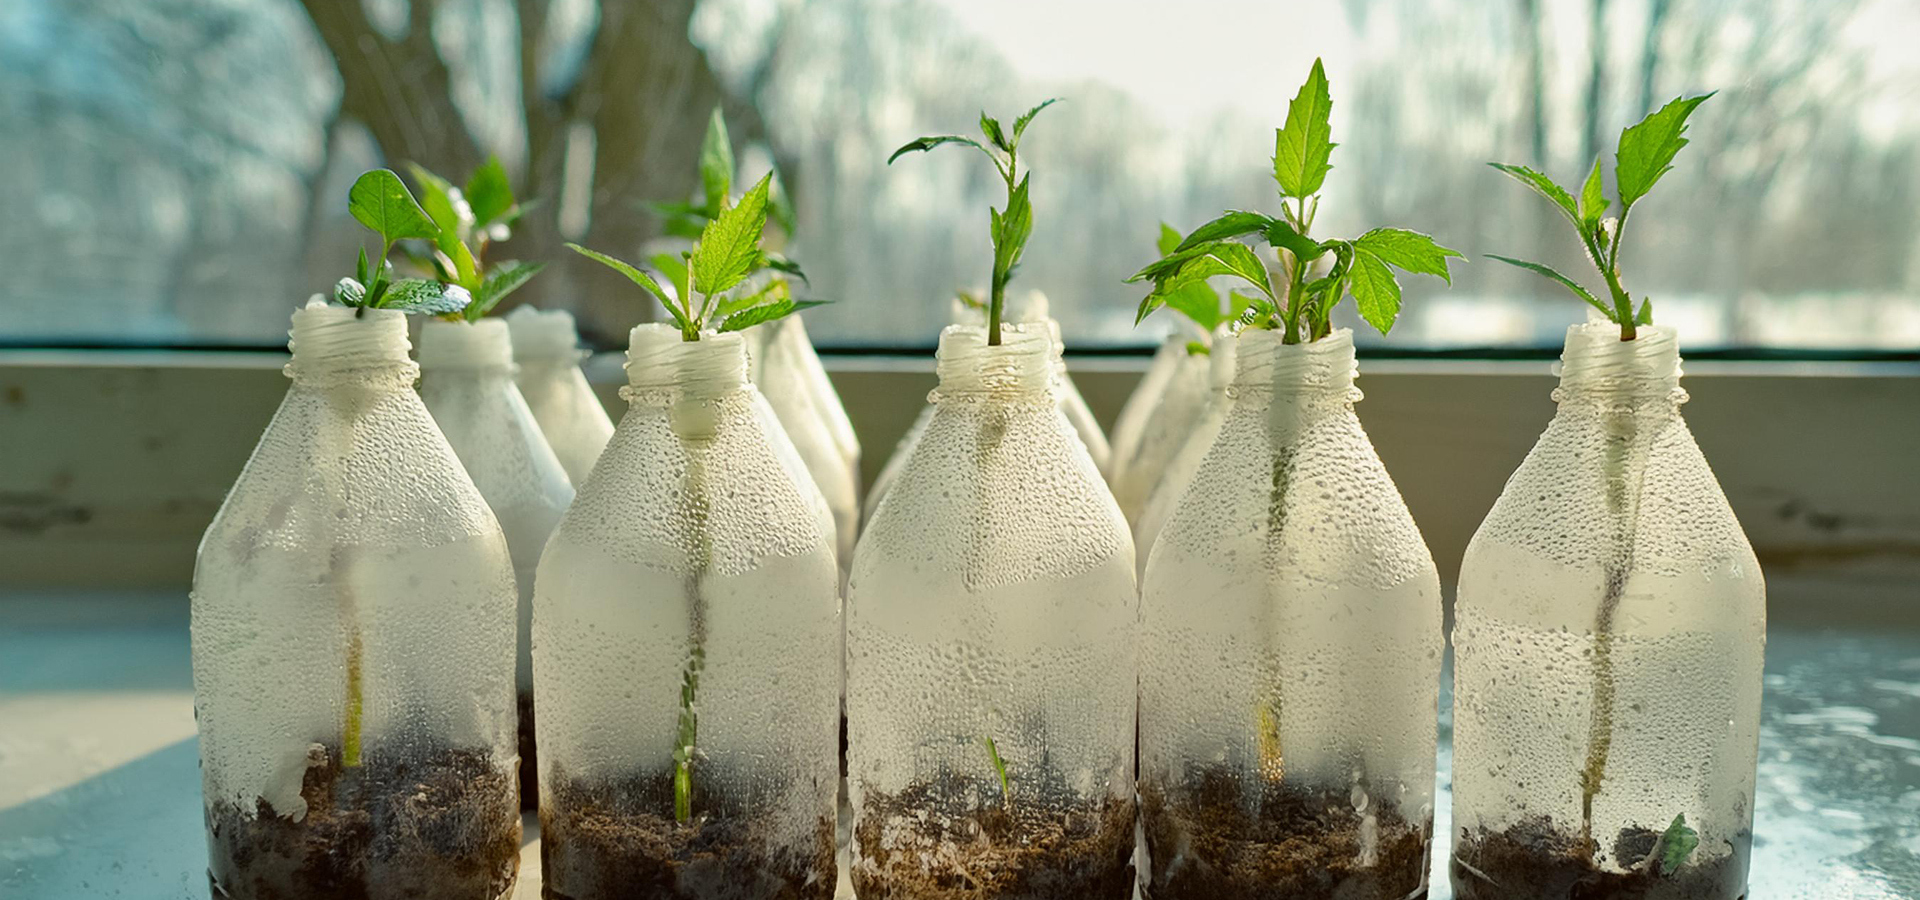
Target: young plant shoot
column 1645, row 154
column 466, row 223
column 696, row 295
column 1010, row 228
column 1288, row 301
column 382, row 203
column 1197, row 300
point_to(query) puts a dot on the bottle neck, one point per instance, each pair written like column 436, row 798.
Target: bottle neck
column 544, row 339
column 1022, row 364
column 338, row 345
column 479, row 348
column 1598, row 367
column 1266, row 369
column 663, row 366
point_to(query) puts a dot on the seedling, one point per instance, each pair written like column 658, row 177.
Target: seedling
column 1197, row 300
column 382, row 203
column 1009, row 229
column 686, row 219
column 467, row 223
column 1645, row 153
column 1288, row 301
column 699, row 281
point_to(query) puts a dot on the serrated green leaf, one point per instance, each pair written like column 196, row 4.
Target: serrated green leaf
column 1375, row 290
column 349, row 292
column 1409, row 250
column 1647, row 149
column 716, row 164
column 634, row 275
column 1564, row 281
column 1645, row 316
column 780, row 263
column 1545, row 187
column 766, row 312
column 505, row 279
column 1198, row 301
column 1281, row 233
column 1169, row 239
column 489, row 194
column 1677, row 843
column 1304, row 146
column 1593, row 202
column 418, row 295
column 990, row 127
column 774, row 289
column 1011, row 229
column 380, row 201
column 1197, row 264
column 730, row 244
column 1026, row 118
column 928, row 143
column 1238, row 304
column 1231, row 224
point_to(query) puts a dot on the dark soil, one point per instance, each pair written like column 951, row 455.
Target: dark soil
column 529, row 766
column 927, row 843
column 1533, row 860
column 601, row 841
column 1299, row 842
column 442, row 828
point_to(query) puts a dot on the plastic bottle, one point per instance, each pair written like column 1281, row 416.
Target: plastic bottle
column 546, row 347
column 788, row 373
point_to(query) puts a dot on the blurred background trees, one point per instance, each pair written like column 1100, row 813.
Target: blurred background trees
column 179, row 166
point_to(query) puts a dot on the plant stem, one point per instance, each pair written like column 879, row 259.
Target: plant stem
column 1000, row 767
column 687, row 738
column 350, row 733
column 1622, row 503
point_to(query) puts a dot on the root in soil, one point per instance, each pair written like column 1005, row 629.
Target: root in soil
column 446, row 827
column 931, row 842
column 1297, row 842
column 610, row 841
column 1533, row 860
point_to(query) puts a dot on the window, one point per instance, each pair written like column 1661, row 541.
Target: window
column 177, row 169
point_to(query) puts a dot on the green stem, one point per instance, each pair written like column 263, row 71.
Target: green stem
column 1000, row 768
column 688, row 734
column 350, row 732
column 1622, row 496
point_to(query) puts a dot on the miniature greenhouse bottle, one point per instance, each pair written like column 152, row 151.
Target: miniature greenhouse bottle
column 353, row 643
column 1178, row 473
column 1182, row 402
column 1141, row 404
column 546, row 347
column 990, row 650
column 782, row 368
column 466, row 381
column 1607, row 653
column 687, row 649
column 1290, row 653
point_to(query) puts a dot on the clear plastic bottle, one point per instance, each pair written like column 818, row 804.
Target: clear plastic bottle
column 353, row 643
column 788, row 373
column 466, row 381
column 1031, row 309
column 1290, row 653
column 990, row 650
column 1182, row 402
column 1179, row 470
column 546, row 347
column 1607, row 653
column 687, row 649
column 1141, row 403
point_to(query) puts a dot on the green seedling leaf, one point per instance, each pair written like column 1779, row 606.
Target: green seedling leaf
column 1375, row 290
column 1645, row 316
column 1198, row 301
column 675, row 268
column 1545, row 187
column 506, row 278
column 999, row 768
column 970, row 301
column 1231, row 224
column 348, row 292
column 1281, row 233
column 1169, row 239
column 1408, row 250
column 1646, row 150
column 1303, row 147
column 489, row 194
column 451, row 215
column 636, row 276
column 1677, row 843
column 1563, row 280
column 780, row 209
column 380, row 201
column 1593, row 202
column 780, row 263
column 928, row 143
column 431, row 298
column 766, row 312
column 1011, row 230
column 1020, row 124
column 360, row 270
column 716, row 164
column 775, row 289
column 730, row 244
column 1197, row 264
column 1195, row 348
column 990, row 127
